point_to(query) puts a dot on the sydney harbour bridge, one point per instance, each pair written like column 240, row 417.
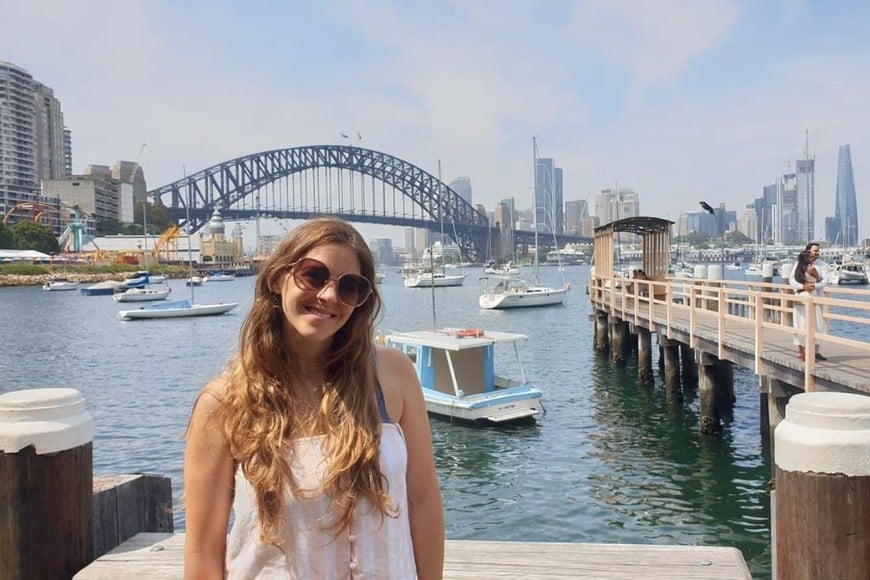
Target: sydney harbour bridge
column 355, row 184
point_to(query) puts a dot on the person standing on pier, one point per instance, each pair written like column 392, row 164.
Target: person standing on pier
column 317, row 439
column 808, row 276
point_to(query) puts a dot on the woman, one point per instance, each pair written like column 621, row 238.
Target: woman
column 807, row 277
column 318, row 441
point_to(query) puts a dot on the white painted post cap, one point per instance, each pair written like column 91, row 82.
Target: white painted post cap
column 825, row 433
column 51, row 420
column 700, row 271
column 767, row 269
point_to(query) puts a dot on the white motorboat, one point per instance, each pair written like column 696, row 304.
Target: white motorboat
column 427, row 279
column 59, row 285
column 176, row 309
column 848, row 273
column 194, row 281
column 136, row 279
column 379, row 277
column 456, row 368
column 146, row 294
column 102, row 288
column 507, row 269
column 516, row 292
column 219, row 277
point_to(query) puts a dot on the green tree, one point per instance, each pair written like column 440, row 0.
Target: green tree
column 7, row 240
column 30, row 235
column 158, row 218
column 737, row 238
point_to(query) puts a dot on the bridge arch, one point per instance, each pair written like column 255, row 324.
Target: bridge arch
column 314, row 184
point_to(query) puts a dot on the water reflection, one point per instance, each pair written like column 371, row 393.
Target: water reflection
column 667, row 483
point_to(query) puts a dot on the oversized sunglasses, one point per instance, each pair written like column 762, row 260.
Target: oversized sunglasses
column 313, row 276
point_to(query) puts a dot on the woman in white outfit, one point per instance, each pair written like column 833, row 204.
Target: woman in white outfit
column 317, row 440
column 807, row 280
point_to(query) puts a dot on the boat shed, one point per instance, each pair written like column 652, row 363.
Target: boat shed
column 655, row 244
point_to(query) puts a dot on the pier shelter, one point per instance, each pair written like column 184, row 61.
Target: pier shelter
column 655, row 241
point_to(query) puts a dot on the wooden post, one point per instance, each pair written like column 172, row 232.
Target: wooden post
column 715, row 391
column 46, row 530
column 644, row 356
column 619, row 346
column 823, row 487
column 602, row 332
column 688, row 367
column 671, row 352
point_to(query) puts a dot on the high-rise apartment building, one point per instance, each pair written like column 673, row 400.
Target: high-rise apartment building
column 33, row 142
column 843, row 228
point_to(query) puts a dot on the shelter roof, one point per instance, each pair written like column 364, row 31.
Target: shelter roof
column 636, row 225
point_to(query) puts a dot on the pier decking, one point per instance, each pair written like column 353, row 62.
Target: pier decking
column 747, row 323
column 160, row 555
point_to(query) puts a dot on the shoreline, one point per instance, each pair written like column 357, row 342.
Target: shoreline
column 8, row 280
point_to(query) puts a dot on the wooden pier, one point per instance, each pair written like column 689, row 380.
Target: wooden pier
column 160, row 556
column 706, row 324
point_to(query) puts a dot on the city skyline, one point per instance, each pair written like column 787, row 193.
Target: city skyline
column 696, row 102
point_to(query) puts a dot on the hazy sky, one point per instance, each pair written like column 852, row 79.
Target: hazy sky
column 681, row 101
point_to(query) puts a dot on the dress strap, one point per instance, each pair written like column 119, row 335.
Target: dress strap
column 379, row 393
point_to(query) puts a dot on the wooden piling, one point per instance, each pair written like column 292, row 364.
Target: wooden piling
column 602, row 332
column 619, row 342
column 670, row 349
column 644, row 356
column 823, row 488
column 715, row 391
column 688, row 367
column 46, row 460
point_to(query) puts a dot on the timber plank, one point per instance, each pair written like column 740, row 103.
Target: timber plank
column 160, row 555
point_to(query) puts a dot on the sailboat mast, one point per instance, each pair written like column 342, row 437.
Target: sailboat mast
column 535, row 206
column 189, row 248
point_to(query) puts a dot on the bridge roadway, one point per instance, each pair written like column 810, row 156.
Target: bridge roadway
column 688, row 311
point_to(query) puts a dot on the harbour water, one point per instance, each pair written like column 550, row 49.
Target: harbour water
column 611, row 461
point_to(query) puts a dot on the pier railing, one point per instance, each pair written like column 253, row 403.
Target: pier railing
column 727, row 312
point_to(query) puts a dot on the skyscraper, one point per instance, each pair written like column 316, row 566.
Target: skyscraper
column 33, row 142
column 462, row 186
column 548, row 196
column 846, row 210
column 805, row 199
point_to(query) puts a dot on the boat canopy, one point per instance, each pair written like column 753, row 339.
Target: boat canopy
column 454, row 338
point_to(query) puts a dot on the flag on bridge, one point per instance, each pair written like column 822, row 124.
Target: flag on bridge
column 358, row 136
column 344, row 136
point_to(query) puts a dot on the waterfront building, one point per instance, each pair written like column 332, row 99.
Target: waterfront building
column 95, row 192
column 462, row 186
column 842, row 229
column 34, row 144
column 217, row 249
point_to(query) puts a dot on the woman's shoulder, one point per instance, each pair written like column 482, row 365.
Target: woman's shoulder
column 396, row 376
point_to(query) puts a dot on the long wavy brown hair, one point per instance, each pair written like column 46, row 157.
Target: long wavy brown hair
column 258, row 415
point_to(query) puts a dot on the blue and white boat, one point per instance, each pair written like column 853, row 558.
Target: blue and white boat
column 176, row 309
column 456, row 368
